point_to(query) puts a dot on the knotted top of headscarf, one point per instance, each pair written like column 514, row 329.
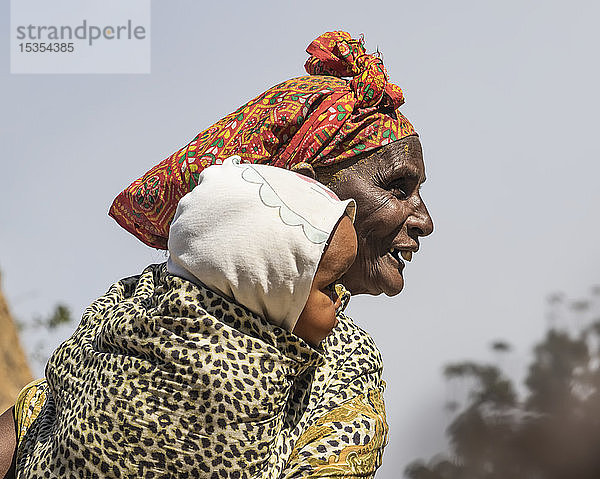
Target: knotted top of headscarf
column 338, row 54
column 315, row 120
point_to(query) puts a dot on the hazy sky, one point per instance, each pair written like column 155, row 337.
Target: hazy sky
column 505, row 96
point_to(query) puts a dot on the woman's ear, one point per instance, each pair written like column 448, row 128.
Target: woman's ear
column 305, row 169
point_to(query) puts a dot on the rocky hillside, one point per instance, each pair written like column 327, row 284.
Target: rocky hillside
column 14, row 370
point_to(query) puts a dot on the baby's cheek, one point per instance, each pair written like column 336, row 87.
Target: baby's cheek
column 327, row 320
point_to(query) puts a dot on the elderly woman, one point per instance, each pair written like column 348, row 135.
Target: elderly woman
column 122, row 399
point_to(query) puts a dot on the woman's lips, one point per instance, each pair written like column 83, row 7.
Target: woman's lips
column 395, row 255
column 406, row 254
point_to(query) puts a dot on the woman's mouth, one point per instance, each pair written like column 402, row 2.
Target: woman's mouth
column 396, row 254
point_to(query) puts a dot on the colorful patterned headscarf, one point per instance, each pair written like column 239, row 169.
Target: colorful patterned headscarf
column 319, row 119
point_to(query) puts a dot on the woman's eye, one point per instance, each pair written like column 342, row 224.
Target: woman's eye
column 400, row 193
column 399, row 190
column 402, row 188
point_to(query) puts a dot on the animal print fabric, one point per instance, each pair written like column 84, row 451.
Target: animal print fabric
column 163, row 378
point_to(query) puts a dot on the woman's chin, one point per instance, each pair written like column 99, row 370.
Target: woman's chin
column 390, row 280
column 389, row 284
column 392, row 284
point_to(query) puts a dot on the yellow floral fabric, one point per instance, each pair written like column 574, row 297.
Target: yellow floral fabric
column 28, row 405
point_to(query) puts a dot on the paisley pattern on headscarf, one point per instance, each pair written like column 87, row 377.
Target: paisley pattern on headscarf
column 164, row 378
column 314, row 120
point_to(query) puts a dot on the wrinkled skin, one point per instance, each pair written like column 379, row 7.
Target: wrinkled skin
column 390, row 212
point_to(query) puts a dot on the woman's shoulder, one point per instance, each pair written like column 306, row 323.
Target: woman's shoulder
column 348, row 345
column 347, row 339
column 350, row 340
column 353, row 363
column 347, row 414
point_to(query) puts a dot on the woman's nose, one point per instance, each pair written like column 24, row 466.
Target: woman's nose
column 420, row 222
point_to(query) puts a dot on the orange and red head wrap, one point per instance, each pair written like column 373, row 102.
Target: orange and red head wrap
column 319, row 119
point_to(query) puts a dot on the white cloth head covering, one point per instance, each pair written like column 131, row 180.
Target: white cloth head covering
column 255, row 234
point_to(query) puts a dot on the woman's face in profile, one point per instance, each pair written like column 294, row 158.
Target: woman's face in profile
column 391, row 215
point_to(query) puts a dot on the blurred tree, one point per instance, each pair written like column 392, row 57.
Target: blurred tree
column 60, row 317
column 552, row 432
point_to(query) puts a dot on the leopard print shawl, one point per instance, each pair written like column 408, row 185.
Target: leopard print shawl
column 163, row 378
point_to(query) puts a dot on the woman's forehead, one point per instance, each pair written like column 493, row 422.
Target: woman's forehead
column 405, row 153
column 400, row 157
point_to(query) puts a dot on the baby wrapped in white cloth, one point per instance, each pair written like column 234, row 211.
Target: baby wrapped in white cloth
column 274, row 241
